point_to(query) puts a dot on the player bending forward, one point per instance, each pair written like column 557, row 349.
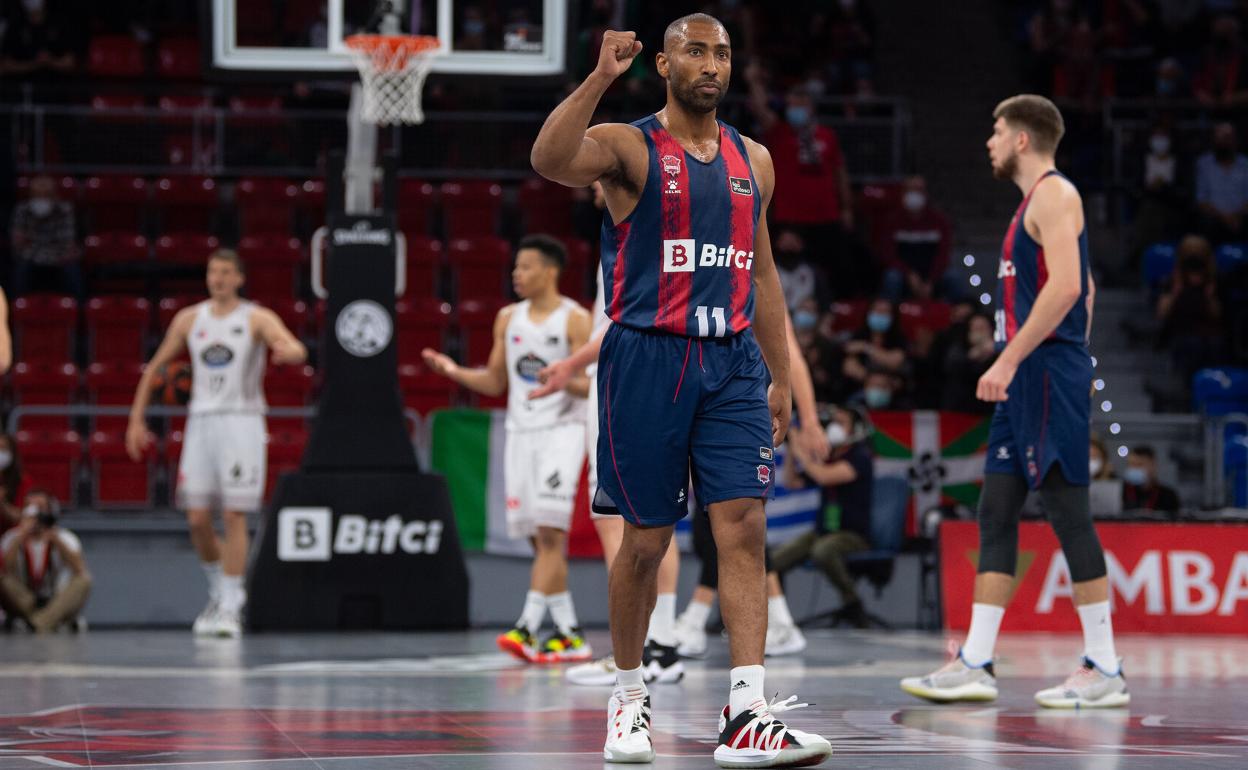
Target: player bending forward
column 681, row 376
column 545, row 445
column 223, row 460
column 1041, row 383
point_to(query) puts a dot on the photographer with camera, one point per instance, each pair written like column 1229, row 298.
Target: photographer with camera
column 45, row 582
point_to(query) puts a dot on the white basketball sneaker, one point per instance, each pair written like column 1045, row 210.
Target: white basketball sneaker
column 755, row 738
column 954, row 681
column 596, row 673
column 784, row 640
column 229, row 624
column 1088, row 688
column 206, row 623
column 690, row 637
column 628, row 731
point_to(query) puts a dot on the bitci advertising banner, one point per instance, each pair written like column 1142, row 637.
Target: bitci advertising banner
column 1163, row 578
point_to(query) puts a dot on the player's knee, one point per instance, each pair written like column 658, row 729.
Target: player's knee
column 548, row 539
column 643, row 554
column 198, row 518
column 739, row 525
column 234, row 517
column 1068, row 512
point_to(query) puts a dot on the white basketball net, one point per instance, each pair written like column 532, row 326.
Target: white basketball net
column 392, row 73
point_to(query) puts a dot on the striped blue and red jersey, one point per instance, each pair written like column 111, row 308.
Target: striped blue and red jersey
column 1021, row 275
column 682, row 261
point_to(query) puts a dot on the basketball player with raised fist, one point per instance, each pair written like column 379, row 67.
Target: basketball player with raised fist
column 693, row 373
column 545, row 441
column 223, row 463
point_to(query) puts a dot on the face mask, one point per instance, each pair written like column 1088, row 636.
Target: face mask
column 1160, row 144
column 797, row 116
column 1137, row 477
column 914, row 201
column 1224, row 151
column 877, row 398
column 804, row 320
column 40, row 207
column 474, row 28
column 836, row 434
column 879, row 322
column 1095, row 465
column 1166, row 87
column 6, row 459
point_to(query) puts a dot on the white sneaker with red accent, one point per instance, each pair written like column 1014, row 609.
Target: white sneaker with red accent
column 755, row 738
column 1088, row 688
column 628, row 731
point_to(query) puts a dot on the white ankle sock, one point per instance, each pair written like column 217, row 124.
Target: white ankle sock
column 745, row 689
column 630, row 684
column 534, row 611
column 212, row 571
column 1098, row 636
column 663, row 621
column 562, row 612
column 232, row 595
column 778, row 612
column 698, row 613
column 981, row 640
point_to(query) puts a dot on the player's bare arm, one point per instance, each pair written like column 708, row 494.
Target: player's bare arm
column 579, row 327
column 812, row 436
column 556, row 376
column 138, row 437
column 1056, row 214
column 6, row 339
column 488, row 380
column 769, row 308
column 268, row 328
column 824, row 474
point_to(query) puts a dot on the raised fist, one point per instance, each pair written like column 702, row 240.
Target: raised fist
column 618, row 51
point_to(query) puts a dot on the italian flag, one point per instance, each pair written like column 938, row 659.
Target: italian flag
column 940, row 453
column 467, row 448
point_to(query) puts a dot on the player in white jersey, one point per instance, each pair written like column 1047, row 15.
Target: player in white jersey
column 545, row 445
column 223, row 451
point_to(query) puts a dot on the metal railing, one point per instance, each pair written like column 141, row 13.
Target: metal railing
column 76, row 139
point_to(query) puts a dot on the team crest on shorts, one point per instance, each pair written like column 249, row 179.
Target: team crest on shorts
column 764, row 474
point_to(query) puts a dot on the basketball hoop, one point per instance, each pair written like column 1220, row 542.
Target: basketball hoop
column 392, row 71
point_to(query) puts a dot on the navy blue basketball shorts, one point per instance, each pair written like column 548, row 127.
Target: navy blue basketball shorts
column 1045, row 420
column 669, row 405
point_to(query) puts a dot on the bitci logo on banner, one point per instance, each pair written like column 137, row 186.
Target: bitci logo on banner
column 303, row 534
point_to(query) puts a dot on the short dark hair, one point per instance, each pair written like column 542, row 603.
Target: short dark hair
column 1144, row 450
column 228, row 255
column 1036, row 115
column 551, row 248
column 677, row 27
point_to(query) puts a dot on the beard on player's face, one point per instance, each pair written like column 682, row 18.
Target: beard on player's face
column 685, row 92
column 1006, row 169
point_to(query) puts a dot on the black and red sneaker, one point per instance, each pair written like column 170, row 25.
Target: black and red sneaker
column 755, row 738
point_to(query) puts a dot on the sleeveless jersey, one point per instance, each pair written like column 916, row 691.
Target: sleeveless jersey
column 530, row 347
column 683, row 261
column 227, row 362
column 1021, row 274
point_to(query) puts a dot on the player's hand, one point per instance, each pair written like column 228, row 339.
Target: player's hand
column 439, row 363
column 812, row 441
column 554, row 378
column 287, row 354
column 780, row 401
column 617, row 53
column 996, row 381
column 138, row 439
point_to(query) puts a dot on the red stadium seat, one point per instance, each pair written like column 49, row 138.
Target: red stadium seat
column 116, row 480
column 112, row 384
column 293, row 312
column 423, row 390
column 265, row 205
column 416, row 203
column 114, row 202
column 288, row 386
column 424, row 266
column 53, row 458
column 471, row 208
column 482, row 268
column 186, row 203
column 44, row 383
column 169, row 307
column 285, row 455
column 422, row 323
column 476, row 321
column 546, row 207
column 190, row 151
column 114, row 247
column 573, row 281
column 875, row 203
column 931, row 316
column 186, row 248
column 182, row 108
column 67, row 185
column 273, row 264
column 45, row 327
column 848, row 316
column 115, row 56
column 117, row 328
column 310, row 205
column 178, row 58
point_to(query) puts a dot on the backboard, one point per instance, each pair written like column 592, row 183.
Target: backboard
column 497, row 37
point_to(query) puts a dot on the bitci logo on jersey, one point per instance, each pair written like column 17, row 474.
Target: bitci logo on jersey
column 681, row 255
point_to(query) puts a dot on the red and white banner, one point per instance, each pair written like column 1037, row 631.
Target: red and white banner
column 1163, row 578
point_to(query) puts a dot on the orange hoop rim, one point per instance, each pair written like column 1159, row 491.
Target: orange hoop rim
column 393, row 44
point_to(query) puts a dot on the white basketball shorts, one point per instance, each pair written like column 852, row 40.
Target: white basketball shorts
column 224, row 462
column 591, row 438
column 541, row 471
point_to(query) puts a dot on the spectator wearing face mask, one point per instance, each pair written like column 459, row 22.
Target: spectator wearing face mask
column 45, row 582
column 45, row 247
column 1141, row 491
column 1223, row 77
column 1190, row 312
column 915, row 247
column 1162, row 199
column 1099, row 467
column 882, row 390
column 879, row 344
column 1222, row 188
column 1171, row 84
column 14, row 485
column 36, row 45
column 798, row 278
column 965, row 362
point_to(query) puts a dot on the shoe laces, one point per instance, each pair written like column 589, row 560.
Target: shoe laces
column 766, row 732
column 636, row 714
column 1083, row 676
column 955, row 662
